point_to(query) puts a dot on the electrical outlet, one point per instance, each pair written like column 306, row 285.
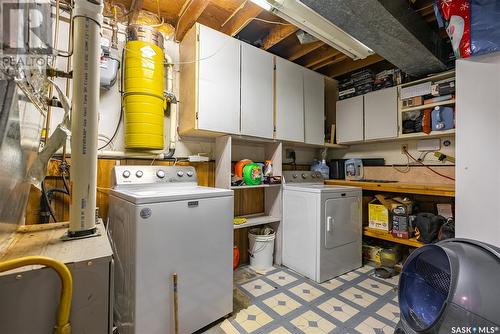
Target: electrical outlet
column 404, row 148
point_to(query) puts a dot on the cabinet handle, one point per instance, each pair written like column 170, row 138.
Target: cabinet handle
column 329, row 223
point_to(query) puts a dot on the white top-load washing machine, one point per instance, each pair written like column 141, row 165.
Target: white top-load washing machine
column 322, row 226
column 160, row 223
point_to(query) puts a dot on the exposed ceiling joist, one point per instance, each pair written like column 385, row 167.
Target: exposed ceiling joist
column 240, row 18
column 189, row 16
column 277, row 34
column 349, row 65
column 316, row 58
column 301, row 50
column 329, row 61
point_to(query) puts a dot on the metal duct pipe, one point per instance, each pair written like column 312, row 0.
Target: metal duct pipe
column 87, row 21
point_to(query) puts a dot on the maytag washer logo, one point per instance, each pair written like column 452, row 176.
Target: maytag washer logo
column 26, row 33
column 475, row 330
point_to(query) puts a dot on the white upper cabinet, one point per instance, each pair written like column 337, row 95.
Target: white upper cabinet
column 257, row 92
column 209, row 99
column 219, row 82
column 314, row 107
column 349, row 120
column 289, row 101
column 381, row 114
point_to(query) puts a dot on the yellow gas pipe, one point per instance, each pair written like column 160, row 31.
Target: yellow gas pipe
column 62, row 322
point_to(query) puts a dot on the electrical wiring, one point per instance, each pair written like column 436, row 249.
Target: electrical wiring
column 429, row 168
column 115, row 132
column 407, row 167
column 120, row 90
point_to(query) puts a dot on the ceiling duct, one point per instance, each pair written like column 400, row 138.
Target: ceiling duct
column 390, row 28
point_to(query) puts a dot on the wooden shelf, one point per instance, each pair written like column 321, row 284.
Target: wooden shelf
column 396, row 187
column 257, row 186
column 336, row 146
column 436, row 77
column 433, row 134
column 255, row 220
column 429, row 105
column 383, row 235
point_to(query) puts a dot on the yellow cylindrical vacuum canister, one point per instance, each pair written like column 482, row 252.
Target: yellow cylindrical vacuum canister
column 143, row 95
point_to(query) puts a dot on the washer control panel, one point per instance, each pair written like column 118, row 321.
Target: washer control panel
column 301, row 176
column 135, row 174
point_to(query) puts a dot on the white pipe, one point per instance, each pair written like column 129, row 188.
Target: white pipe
column 173, row 106
column 87, row 18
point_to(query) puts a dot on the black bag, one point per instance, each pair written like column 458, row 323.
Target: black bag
column 427, row 227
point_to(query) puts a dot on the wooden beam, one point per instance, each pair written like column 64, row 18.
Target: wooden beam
column 330, row 61
column 301, row 50
column 189, row 16
column 241, row 18
column 350, row 65
column 318, row 57
column 277, row 34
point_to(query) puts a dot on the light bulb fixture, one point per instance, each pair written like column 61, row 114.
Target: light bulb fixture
column 311, row 22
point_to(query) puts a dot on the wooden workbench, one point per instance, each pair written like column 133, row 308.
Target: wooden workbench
column 396, row 187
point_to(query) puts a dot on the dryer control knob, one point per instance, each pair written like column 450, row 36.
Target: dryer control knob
column 313, row 176
column 190, row 173
column 126, row 174
column 139, row 173
column 304, row 175
column 180, row 173
column 294, row 176
column 160, row 174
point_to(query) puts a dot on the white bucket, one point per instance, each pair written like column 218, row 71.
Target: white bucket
column 261, row 250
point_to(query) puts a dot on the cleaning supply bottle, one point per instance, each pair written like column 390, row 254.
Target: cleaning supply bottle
column 323, row 168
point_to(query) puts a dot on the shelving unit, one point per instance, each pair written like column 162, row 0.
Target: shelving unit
column 255, row 220
column 402, row 111
column 430, row 105
column 253, row 187
column 433, row 134
column 383, row 235
column 272, row 214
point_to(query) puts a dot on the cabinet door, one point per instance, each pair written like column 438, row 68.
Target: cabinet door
column 219, row 82
column 314, row 108
column 349, row 120
column 381, row 114
column 257, row 93
column 289, row 101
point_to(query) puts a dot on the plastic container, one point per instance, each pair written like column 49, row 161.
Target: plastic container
column 252, row 174
column 321, row 167
column 261, row 249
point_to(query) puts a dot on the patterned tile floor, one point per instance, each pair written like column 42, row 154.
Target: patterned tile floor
column 282, row 301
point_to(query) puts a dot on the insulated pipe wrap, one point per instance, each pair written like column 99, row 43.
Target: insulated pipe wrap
column 143, row 99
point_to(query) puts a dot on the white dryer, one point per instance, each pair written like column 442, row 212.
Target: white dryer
column 322, row 226
column 160, row 223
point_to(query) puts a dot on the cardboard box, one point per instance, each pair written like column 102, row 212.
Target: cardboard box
column 378, row 216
